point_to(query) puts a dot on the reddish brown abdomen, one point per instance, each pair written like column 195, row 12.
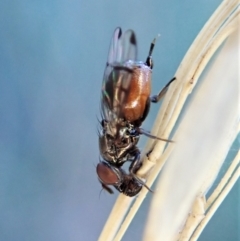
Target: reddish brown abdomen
column 139, row 92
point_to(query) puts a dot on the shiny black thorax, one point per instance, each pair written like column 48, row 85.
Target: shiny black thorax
column 119, row 145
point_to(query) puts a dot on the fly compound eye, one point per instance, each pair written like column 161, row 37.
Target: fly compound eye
column 106, row 174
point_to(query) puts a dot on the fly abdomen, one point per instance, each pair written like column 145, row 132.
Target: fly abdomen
column 138, row 94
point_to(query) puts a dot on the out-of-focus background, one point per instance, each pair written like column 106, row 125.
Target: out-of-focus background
column 52, row 58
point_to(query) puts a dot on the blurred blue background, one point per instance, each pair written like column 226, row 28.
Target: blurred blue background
column 52, row 58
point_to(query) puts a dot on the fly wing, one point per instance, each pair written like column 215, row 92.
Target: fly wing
column 118, row 74
column 129, row 46
column 114, row 50
column 122, row 47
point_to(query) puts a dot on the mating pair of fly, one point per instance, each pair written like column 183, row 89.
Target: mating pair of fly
column 125, row 103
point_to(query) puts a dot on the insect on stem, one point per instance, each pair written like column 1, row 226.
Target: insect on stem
column 125, row 103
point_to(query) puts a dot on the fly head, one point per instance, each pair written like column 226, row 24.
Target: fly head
column 115, row 176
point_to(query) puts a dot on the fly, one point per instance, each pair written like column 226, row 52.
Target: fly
column 125, row 103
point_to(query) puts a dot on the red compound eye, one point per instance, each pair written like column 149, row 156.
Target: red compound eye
column 106, row 174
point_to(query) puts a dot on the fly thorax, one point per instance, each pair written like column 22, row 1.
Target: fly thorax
column 107, row 148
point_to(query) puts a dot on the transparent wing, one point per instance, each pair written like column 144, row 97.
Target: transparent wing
column 122, row 47
column 128, row 46
column 118, row 74
column 115, row 93
column 114, row 50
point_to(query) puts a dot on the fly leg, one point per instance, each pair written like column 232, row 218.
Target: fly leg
column 134, row 167
column 148, row 134
column 156, row 98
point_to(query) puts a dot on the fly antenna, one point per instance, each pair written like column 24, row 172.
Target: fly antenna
column 149, row 61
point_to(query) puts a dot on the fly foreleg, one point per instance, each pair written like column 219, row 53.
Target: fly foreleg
column 135, row 166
